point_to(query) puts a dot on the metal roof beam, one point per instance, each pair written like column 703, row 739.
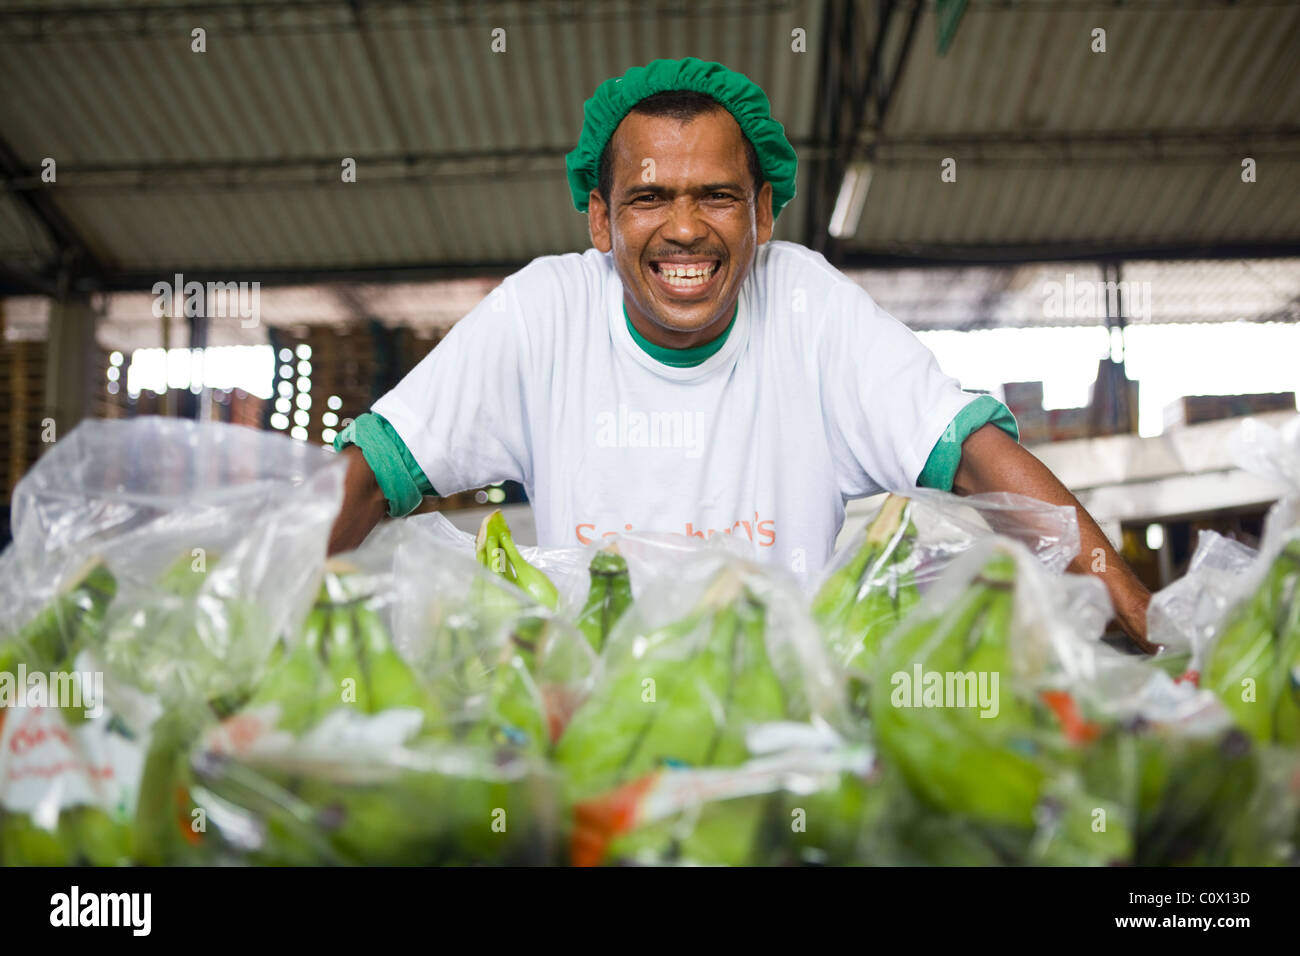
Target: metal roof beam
column 886, row 88
column 142, row 281
column 908, row 255
column 482, row 165
column 42, row 22
column 845, row 87
column 1172, row 146
column 74, row 253
column 1157, row 146
column 826, row 103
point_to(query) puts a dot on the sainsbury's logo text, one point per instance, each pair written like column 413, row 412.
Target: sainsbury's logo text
column 761, row 532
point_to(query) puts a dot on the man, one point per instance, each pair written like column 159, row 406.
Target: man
column 689, row 374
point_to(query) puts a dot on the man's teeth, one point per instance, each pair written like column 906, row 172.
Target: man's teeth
column 688, row 275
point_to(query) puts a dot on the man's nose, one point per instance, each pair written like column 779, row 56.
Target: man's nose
column 684, row 225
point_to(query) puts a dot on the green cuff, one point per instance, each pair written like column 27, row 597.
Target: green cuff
column 941, row 467
column 399, row 475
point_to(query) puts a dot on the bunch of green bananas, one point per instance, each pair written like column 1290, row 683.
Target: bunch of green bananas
column 374, row 808
column 495, row 549
column 480, row 667
column 51, row 642
column 746, row 815
column 1254, row 665
column 70, row 622
column 481, row 660
column 861, row 602
column 343, row 658
column 717, row 833
column 1218, row 800
column 431, row 804
column 608, row 598
column 186, row 642
column 959, row 761
column 679, row 695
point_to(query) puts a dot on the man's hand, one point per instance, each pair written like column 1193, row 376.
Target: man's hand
column 364, row 505
column 991, row 460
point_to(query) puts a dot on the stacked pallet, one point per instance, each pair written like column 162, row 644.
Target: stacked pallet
column 22, row 376
column 345, row 369
column 324, row 375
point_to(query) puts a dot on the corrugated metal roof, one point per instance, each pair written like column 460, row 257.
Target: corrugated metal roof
column 1057, row 144
column 23, row 243
column 387, row 90
column 910, row 210
column 1029, row 67
column 462, row 148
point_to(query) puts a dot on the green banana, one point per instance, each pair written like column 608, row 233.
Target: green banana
column 1207, row 801
column 51, row 642
column 859, row 604
column 65, row 626
column 843, row 588
column 676, row 697
column 164, row 830
column 101, row 840
column 23, row 843
column 343, row 655
column 390, row 680
column 1286, row 712
column 495, row 549
column 1252, row 665
column 600, row 745
column 757, row 694
column 294, row 675
column 953, row 757
column 608, row 598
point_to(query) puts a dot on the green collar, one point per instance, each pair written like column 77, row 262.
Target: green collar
column 680, row 358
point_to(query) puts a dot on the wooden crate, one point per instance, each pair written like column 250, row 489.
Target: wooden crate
column 22, row 377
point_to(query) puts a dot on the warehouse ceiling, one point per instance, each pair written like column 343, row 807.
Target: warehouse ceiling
column 226, row 164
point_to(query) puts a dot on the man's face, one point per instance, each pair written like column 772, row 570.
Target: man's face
column 682, row 200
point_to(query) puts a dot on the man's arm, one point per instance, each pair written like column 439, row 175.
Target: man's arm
column 991, row 460
column 363, row 506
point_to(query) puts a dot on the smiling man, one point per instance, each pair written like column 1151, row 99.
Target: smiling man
column 688, row 373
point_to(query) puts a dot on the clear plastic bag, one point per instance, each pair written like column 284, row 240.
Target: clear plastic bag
column 476, row 640
column 905, row 546
column 434, row 690
column 978, row 697
column 566, row 567
column 215, row 535
column 1245, row 627
column 713, row 645
column 1252, row 663
column 1268, row 451
column 358, row 792
column 1184, row 616
column 806, row 800
column 157, row 560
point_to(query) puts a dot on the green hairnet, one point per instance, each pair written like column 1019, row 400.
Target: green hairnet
column 741, row 96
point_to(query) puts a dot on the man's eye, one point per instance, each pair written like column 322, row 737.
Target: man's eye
column 645, row 197
column 721, row 196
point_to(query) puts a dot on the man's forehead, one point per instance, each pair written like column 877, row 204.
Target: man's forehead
column 708, row 144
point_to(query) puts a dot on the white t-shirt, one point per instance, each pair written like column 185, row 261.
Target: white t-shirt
column 817, row 396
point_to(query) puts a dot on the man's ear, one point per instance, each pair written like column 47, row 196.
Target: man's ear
column 598, row 222
column 765, row 218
